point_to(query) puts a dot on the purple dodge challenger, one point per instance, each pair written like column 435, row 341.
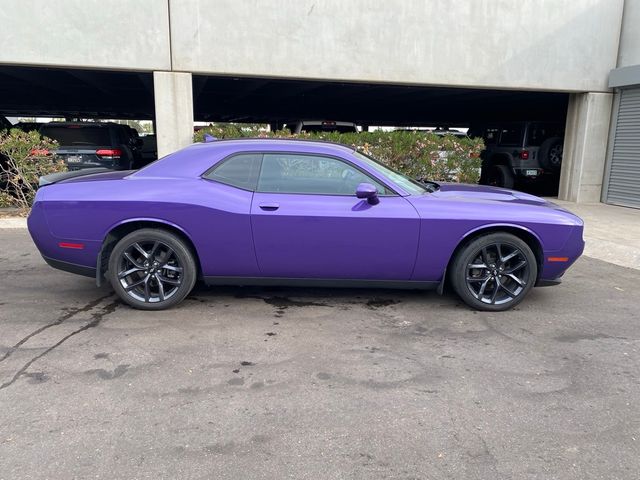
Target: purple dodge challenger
column 292, row 212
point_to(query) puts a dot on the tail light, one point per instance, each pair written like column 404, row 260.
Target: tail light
column 109, row 153
column 524, row 154
column 39, row 152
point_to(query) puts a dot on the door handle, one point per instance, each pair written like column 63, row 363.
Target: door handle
column 269, row 207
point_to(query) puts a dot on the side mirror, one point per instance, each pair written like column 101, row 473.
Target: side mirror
column 368, row 191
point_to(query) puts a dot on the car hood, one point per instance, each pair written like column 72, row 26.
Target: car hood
column 484, row 193
column 464, row 197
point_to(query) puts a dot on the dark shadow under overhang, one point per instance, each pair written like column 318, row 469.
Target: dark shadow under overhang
column 36, row 91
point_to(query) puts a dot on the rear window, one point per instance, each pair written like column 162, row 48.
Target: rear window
column 238, row 171
column 77, row 135
column 511, row 135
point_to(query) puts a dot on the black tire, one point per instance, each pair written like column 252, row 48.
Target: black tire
column 493, row 288
column 498, row 176
column 152, row 269
column 550, row 154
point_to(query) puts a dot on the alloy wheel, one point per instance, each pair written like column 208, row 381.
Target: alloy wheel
column 149, row 271
column 497, row 273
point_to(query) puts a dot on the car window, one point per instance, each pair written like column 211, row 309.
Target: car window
column 238, row 171
column 77, row 134
column 539, row 132
column 311, row 174
column 511, row 135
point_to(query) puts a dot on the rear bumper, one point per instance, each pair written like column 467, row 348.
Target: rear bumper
column 548, row 283
column 70, row 267
column 80, row 261
column 531, row 173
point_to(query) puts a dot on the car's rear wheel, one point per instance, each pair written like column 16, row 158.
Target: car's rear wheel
column 152, row 269
column 494, row 272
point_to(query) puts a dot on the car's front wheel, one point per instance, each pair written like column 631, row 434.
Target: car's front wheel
column 494, row 272
column 152, row 269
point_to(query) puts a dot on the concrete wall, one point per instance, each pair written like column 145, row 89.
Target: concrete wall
column 629, row 53
column 526, row 44
column 117, row 34
column 585, row 147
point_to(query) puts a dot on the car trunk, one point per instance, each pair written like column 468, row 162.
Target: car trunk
column 84, row 146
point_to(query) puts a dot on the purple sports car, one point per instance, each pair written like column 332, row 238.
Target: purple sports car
column 292, row 212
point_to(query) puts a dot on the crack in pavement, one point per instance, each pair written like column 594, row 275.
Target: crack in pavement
column 58, row 321
column 96, row 319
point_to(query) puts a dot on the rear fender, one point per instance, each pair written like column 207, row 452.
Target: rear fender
column 110, row 239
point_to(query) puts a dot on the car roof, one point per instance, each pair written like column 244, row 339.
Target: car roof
column 271, row 141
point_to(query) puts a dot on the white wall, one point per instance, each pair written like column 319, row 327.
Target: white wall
column 120, row 34
column 630, row 37
column 566, row 45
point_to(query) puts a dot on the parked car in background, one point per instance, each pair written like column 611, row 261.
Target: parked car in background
column 293, row 212
column 28, row 126
column 448, row 131
column 149, row 150
column 315, row 126
column 93, row 144
column 519, row 151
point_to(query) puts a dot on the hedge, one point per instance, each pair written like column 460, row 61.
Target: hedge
column 24, row 159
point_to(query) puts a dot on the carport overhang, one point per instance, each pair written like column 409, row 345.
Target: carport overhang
column 236, row 99
column 85, row 93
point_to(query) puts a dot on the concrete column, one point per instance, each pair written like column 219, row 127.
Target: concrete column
column 173, row 94
column 585, row 147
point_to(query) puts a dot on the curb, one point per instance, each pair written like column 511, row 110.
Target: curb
column 13, row 223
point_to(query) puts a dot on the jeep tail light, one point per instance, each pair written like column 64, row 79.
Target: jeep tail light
column 524, row 154
column 109, row 152
column 39, row 152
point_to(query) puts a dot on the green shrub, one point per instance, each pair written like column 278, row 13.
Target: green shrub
column 23, row 160
column 419, row 154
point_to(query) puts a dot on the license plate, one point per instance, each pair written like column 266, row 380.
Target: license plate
column 74, row 159
column 531, row 173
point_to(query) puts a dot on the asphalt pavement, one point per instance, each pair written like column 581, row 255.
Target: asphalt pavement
column 273, row 383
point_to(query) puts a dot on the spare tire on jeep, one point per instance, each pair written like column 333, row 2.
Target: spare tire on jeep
column 550, row 153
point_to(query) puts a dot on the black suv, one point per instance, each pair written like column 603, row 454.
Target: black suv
column 93, row 144
column 519, row 151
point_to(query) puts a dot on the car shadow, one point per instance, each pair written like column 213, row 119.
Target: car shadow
column 323, row 296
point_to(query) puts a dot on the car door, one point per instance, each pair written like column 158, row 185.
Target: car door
column 308, row 223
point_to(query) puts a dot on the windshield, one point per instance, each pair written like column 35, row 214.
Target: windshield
column 409, row 184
